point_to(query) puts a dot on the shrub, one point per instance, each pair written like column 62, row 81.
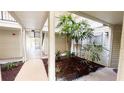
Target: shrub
column 93, row 51
column 9, row 66
column 58, row 55
column 69, row 54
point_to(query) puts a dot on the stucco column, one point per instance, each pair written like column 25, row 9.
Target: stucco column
column 24, row 44
column 21, row 44
column 120, row 75
column 41, row 32
column 51, row 47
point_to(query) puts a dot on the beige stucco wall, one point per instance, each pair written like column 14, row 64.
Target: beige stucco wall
column 116, row 39
column 10, row 44
column 60, row 43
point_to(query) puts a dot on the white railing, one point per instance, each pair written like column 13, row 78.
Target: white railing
column 5, row 16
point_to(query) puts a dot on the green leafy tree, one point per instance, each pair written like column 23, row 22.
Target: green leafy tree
column 66, row 27
column 74, row 30
column 81, row 31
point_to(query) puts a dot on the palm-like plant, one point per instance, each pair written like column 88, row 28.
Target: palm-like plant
column 66, row 27
column 81, row 31
column 93, row 51
column 74, row 30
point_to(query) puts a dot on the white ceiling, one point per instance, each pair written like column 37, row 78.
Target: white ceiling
column 36, row 19
column 30, row 19
column 110, row 17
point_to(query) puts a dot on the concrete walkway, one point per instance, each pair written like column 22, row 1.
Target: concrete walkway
column 32, row 70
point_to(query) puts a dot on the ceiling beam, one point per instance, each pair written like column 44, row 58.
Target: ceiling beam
column 13, row 14
column 81, row 13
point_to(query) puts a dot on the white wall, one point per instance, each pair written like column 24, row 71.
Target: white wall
column 116, row 32
column 60, row 43
column 120, row 75
column 10, row 44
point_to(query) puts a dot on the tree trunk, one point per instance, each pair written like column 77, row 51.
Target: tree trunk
column 77, row 49
column 69, row 43
column 81, row 48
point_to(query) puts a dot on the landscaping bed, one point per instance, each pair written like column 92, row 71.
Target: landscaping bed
column 45, row 61
column 10, row 70
column 74, row 67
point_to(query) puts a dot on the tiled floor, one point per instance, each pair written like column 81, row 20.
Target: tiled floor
column 32, row 70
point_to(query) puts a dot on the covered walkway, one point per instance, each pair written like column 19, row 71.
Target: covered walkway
column 32, row 70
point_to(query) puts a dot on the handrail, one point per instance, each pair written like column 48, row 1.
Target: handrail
column 5, row 16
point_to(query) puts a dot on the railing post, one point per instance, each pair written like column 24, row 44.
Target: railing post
column 1, row 15
column 5, row 16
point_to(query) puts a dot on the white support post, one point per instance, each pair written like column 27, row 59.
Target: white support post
column 51, row 50
column 24, row 45
column 21, row 44
column 120, row 75
column 41, row 42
